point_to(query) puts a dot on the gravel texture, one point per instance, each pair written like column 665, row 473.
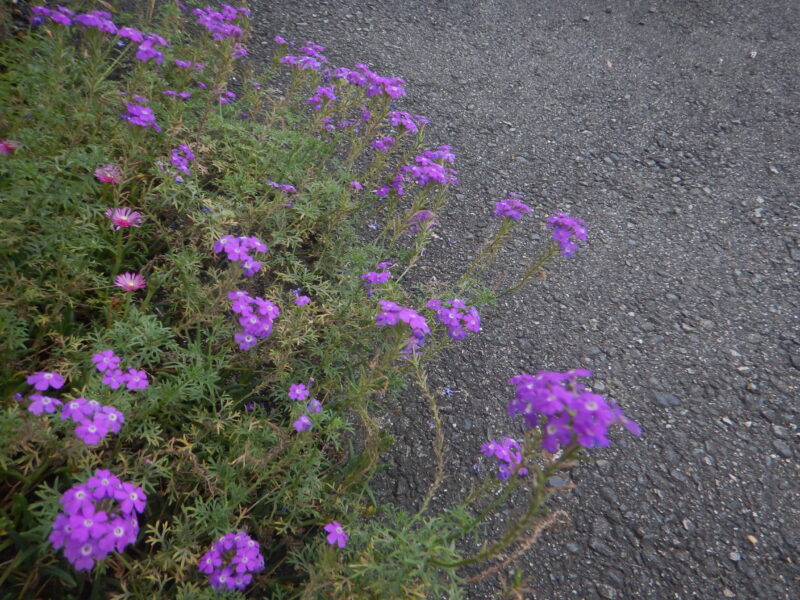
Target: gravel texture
column 672, row 129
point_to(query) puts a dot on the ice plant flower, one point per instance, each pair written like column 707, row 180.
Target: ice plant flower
column 130, row 282
column 302, row 424
column 336, row 535
column 108, row 173
column 565, row 411
column 509, row 456
column 124, row 217
column 8, row 147
column 512, row 206
column 43, row 380
column 565, row 228
column 98, row 517
column 231, row 561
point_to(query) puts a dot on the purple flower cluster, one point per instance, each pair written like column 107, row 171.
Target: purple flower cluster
column 108, row 364
column 512, row 206
column 284, row 187
column 509, row 455
column 99, row 517
column 392, row 314
column 564, row 229
column 418, row 220
column 219, row 22
column 187, row 64
column 318, row 99
column 239, row 51
column 231, row 561
column 147, row 49
column 181, row 95
column 376, row 277
column 299, row 299
column 383, row 143
column 225, row 97
column 429, row 167
column 180, row 158
column 362, row 76
column 312, row 57
column 238, row 249
column 450, row 314
column 564, row 410
column 407, row 121
column 256, row 316
column 136, row 114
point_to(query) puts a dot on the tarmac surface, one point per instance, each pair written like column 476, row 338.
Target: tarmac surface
column 672, row 129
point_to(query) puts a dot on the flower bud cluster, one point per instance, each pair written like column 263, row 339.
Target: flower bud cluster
column 429, row 167
column 512, row 206
column 508, row 453
column 423, row 218
column 312, row 58
column 180, row 158
column 237, row 249
column 450, row 314
column 256, row 316
column 99, row 517
column 231, row 561
column 219, row 22
column 393, row 313
column 375, row 85
column 565, row 411
column 409, row 122
column 318, row 99
column 565, row 228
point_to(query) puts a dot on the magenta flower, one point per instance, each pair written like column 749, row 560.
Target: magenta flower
column 43, row 404
column 302, row 424
column 136, row 380
column 565, row 228
column 124, row 217
column 107, row 173
column 336, row 535
column 105, row 360
column 298, row 391
column 8, row 147
column 130, row 282
column 45, row 379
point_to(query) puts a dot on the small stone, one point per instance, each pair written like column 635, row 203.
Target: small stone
column 557, row 482
column 782, row 448
column 728, row 593
column 574, row 548
column 606, row 591
column 735, row 556
column 666, row 399
column 601, row 547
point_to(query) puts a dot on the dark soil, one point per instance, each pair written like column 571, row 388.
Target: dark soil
column 672, row 129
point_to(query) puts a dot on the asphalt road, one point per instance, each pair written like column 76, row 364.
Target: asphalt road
column 671, row 128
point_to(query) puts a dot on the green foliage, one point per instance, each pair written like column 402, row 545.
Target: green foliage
column 211, row 439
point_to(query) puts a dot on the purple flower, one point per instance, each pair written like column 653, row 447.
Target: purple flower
column 130, row 282
column 512, row 206
column 239, row 51
column 181, row 157
column 508, row 453
column 285, row 187
column 565, row 228
column 302, row 300
column 322, row 94
column 114, row 378
column 314, row 406
column 43, row 404
column 418, row 220
column 146, row 52
column 131, row 498
column 140, row 115
column 383, row 143
column 231, row 561
column 103, row 484
column 356, row 185
column 114, row 418
column 565, row 411
column 92, row 430
column 298, row 391
column 392, row 314
column 132, row 34
column 302, row 424
column 135, row 379
column 245, row 340
column 43, row 380
column 78, row 409
column 8, row 147
column 450, row 314
column 336, row 535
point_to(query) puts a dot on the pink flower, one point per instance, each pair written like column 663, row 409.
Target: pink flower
column 130, row 282
column 107, row 173
column 7, row 147
column 336, row 535
column 124, row 217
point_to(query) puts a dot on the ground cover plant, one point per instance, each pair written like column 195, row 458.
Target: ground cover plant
column 203, row 307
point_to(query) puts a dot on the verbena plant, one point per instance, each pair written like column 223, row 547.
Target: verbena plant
column 202, row 310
